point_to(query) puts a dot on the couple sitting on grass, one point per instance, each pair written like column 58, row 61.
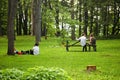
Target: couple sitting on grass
column 92, row 42
column 33, row 51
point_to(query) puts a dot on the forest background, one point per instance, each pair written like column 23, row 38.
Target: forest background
column 61, row 18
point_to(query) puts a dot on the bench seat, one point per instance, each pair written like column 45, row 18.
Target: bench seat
column 77, row 45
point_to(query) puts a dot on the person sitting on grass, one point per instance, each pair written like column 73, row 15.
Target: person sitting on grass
column 82, row 40
column 35, row 50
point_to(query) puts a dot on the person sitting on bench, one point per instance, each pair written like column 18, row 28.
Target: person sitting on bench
column 82, row 40
column 92, row 42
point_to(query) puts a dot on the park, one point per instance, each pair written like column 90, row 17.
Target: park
column 74, row 62
column 61, row 55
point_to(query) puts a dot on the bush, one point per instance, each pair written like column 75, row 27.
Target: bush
column 36, row 73
column 41, row 73
column 11, row 74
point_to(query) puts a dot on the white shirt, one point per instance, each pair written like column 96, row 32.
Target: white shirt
column 82, row 40
column 36, row 50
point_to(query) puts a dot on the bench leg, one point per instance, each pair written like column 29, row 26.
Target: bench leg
column 89, row 48
column 67, row 47
column 94, row 47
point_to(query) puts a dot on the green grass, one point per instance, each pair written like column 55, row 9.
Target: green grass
column 52, row 54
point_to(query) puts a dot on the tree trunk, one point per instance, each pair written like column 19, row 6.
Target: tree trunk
column 85, row 17
column 0, row 29
column 72, row 17
column 115, row 18
column 96, row 23
column 17, row 23
column 104, row 19
column 91, row 19
column 57, row 20
column 20, row 17
column 80, row 16
column 12, row 6
column 25, row 19
column 44, row 24
column 44, row 30
column 36, row 16
column 25, row 27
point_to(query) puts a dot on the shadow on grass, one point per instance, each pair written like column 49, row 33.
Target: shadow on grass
column 81, row 51
column 75, row 51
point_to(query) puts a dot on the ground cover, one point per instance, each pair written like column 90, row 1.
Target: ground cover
column 53, row 54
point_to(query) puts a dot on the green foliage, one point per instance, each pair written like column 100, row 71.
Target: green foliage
column 42, row 73
column 49, row 7
column 11, row 74
column 36, row 73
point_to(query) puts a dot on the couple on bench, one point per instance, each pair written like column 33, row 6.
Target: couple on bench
column 84, row 44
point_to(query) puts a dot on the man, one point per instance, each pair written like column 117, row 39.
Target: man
column 82, row 40
column 35, row 50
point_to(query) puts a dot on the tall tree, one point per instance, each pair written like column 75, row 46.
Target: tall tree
column 85, row 16
column 91, row 17
column 57, row 18
column 3, row 16
column 25, row 18
column 72, row 17
column 80, row 16
column 36, row 18
column 96, row 29
column 19, row 18
column 44, row 24
column 116, row 24
column 12, row 6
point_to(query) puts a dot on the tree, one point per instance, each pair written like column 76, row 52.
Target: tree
column 100, row 17
column 23, row 17
column 85, row 16
column 116, row 24
column 19, row 18
column 12, row 6
column 3, row 16
column 72, row 17
column 44, row 24
column 57, row 18
column 36, row 18
column 80, row 16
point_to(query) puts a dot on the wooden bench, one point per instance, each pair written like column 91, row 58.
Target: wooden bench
column 76, row 45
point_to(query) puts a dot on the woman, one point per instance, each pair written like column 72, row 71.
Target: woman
column 91, row 38
column 92, row 42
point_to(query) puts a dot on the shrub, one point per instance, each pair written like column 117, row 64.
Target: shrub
column 36, row 73
column 42, row 73
column 11, row 74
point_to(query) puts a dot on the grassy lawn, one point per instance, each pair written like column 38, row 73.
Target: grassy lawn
column 52, row 54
